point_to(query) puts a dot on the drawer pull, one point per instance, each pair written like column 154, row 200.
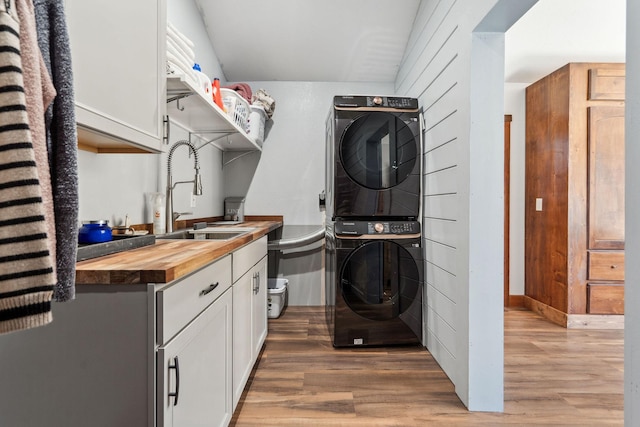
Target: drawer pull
column 256, row 281
column 209, row 289
column 177, row 392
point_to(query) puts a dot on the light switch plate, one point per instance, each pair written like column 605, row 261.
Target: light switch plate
column 193, row 200
column 539, row 204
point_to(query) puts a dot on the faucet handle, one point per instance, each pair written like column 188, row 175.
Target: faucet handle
column 177, row 215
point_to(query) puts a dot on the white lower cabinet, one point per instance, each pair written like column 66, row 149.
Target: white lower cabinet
column 194, row 354
column 249, row 311
column 194, row 370
column 259, row 309
column 146, row 355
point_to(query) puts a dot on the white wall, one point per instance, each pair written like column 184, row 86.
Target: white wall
column 458, row 78
column 632, row 225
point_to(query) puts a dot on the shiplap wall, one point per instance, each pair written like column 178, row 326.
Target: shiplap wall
column 455, row 66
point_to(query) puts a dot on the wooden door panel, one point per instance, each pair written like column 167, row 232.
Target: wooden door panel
column 606, row 177
column 606, row 298
column 607, row 84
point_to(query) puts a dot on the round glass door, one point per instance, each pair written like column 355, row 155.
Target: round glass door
column 380, row 280
column 378, row 150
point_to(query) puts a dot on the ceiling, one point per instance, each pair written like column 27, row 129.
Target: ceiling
column 309, row 40
column 555, row 32
column 365, row 40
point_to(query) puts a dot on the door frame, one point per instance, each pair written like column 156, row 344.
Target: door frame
column 507, row 200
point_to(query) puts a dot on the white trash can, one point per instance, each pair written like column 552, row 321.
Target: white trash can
column 276, row 297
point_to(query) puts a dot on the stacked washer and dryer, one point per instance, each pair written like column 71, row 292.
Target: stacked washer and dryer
column 374, row 261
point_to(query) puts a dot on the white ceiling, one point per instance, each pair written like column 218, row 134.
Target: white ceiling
column 555, row 32
column 364, row 40
column 309, row 40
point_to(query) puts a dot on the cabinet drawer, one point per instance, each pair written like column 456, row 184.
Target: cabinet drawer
column 248, row 256
column 606, row 266
column 605, row 298
column 606, row 84
column 183, row 300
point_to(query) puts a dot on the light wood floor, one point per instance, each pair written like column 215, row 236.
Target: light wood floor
column 553, row 376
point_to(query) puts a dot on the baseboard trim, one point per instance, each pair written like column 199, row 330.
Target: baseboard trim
column 516, row 300
column 546, row 311
column 595, row 321
column 575, row 321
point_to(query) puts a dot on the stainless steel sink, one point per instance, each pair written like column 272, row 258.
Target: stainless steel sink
column 209, row 233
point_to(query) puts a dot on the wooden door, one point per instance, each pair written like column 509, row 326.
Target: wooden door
column 606, row 177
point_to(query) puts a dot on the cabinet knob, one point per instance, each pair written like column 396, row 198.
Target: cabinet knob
column 614, row 266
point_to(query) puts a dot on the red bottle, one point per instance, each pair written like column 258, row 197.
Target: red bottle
column 217, row 96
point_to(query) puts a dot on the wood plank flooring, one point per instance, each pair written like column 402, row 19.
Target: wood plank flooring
column 553, row 376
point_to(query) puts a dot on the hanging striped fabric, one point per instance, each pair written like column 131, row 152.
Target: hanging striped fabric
column 26, row 266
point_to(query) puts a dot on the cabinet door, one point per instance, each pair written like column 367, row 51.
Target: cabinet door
column 606, row 177
column 259, row 308
column 242, row 330
column 117, row 48
column 249, row 324
column 194, row 371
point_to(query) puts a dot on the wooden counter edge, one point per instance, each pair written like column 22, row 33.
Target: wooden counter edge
column 104, row 270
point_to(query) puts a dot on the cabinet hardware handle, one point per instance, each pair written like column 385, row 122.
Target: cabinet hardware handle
column 177, row 392
column 167, row 130
column 614, row 266
column 209, row 289
column 256, row 286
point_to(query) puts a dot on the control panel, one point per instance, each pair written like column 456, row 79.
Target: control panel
column 376, row 101
column 359, row 228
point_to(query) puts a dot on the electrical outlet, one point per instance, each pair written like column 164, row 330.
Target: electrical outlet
column 193, row 200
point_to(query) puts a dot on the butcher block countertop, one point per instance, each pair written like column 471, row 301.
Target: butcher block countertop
column 166, row 260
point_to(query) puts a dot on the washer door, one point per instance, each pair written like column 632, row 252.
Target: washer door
column 379, row 280
column 378, row 150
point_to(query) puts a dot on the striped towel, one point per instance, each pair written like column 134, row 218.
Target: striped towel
column 26, row 266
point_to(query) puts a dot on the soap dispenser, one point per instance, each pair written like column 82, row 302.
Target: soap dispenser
column 158, row 208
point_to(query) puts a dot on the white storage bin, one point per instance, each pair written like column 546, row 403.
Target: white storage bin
column 237, row 107
column 276, row 297
column 257, row 120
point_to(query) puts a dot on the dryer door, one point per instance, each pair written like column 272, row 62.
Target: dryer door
column 376, row 165
column 380, row 280
column 378, row 151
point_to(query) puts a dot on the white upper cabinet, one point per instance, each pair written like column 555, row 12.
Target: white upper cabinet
column 122, row 92
column 118, row 59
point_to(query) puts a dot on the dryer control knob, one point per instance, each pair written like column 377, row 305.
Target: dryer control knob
column 377, row 100
column 378, row 227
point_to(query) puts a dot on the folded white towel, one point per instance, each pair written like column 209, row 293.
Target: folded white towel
column 175, row 70
column 174, row 32
column 175, row 49
column 187, row 71
column 179, row 57
column 179, row 41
